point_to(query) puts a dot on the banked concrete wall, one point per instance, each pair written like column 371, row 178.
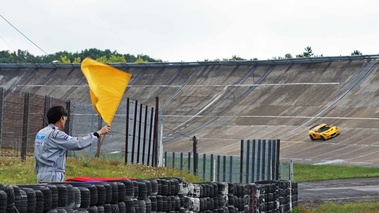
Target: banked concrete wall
column 222, row 103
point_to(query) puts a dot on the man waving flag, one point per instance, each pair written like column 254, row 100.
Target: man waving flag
column 107, row 86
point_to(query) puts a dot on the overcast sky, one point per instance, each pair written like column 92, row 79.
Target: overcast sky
column 192, row 30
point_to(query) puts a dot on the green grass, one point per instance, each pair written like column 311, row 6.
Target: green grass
column 306, row 172
column 330, row 207
column 15, row 171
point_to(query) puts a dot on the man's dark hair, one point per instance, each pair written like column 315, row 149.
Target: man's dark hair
column 55, row 113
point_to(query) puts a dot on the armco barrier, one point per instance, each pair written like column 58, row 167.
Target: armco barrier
column 149, row 195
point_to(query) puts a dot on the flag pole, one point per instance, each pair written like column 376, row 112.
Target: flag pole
column 98, row 148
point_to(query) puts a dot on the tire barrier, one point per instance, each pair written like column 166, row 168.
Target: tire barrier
column 150, row 196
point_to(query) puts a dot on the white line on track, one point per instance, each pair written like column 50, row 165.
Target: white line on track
column 194, row 85
column 268, row 116
column 372, row 188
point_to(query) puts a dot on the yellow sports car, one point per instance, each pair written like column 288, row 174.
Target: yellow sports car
column 323, row 132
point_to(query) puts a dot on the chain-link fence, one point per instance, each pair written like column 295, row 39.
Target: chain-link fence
column 133, row 132
column 133, row 139
column 224, row 168
column 21, row 116
column 259, row 160
column 135, row 135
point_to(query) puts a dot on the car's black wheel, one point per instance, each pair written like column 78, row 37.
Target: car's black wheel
column 322, row 137
column 312, row 137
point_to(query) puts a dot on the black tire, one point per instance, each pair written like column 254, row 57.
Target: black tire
column 129, row 189
column 46, row 196
column 148, row 205
column 136, row 205
column 114, row 187
column 62, row 195
column 92, row 193
column 100, row 209
column 129, row 206
column 3, row 201
column 94, row 196
column 114, row 208
column 142, row 206
column 40, row 201
column 142, row 190
column 92, row 209
column 85, row 197
column 154, row 186
column 54, row 196
column 21, row 200
column 31, row 200
column 101, row 194
column 70, row 196
column 61, row 210
column 107, row 208
column 135, row 189
column 10, row 195
column 108, row 192
column 312, row 137
column 153, row 201
column 77, row 196
column 121, row 192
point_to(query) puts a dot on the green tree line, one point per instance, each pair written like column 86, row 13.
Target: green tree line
column 105, row 56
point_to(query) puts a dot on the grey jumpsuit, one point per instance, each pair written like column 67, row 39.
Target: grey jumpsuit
column 50, row 149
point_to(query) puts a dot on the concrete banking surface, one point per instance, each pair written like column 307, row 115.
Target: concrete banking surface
column 224, row 103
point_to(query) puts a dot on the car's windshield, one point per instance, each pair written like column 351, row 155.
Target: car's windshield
column 324, row 128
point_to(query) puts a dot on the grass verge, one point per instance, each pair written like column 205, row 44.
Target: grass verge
column 15, row 171
column 306, row 172
column 330, row 207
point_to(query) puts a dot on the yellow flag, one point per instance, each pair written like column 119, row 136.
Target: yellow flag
column 107, row 86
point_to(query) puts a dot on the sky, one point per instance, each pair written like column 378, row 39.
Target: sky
column 192, row 30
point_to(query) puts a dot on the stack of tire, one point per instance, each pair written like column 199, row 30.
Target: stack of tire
column 269, row 196
column 242, row 198
column 207, row 197
column 141, row 200
column 284, row 195
column 154, row 195
column 96, row 196
column 287, row 194
column 294, row 193
column 168, row 199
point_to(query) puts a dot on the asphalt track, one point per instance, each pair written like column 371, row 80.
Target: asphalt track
column 312, row 194
column 222, row 103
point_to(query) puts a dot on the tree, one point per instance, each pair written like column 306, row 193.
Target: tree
column 308, row 52
column 140, row 60
column 145, row 58
column 64, row 60
column 356, row 52
column 102, row 59
column 117, row 59
column 288, row 56
column 236, row 58
column 77, row 60
column 6, row 57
